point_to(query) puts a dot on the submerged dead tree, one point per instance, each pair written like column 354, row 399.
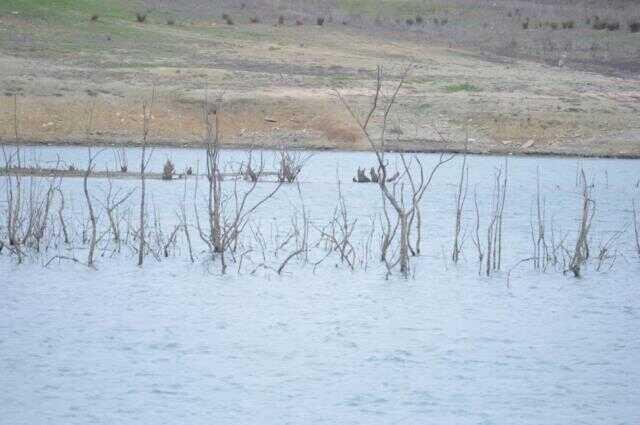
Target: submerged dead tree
column 144, row 162
column 636, row 228
column 214, row 176
column 228, row 215
column 405, row 205
column 461, row 196
column 290, row 165
column 581, row 251
column 93, row 221
column 494, row 229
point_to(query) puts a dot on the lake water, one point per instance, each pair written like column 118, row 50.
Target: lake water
column 176, row 342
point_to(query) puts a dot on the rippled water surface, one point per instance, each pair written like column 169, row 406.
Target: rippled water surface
column 178, row 343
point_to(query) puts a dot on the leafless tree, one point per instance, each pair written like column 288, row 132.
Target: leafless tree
column 337, row 233
column 461, row 196
column 290, row 164
column 418, row 188
column 406, row 212
column 608, row 251
column 147, row 106
column 63, row 223
column 580, row 253
column 226, row 222
column 121, row 159
column 537, row 227
column 300, row 233
column 476, row 234
column 636, row 227
column 92, row 216
column 114, row 199
column 494, row 229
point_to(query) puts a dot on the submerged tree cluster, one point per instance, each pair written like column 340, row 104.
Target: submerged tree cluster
column 218, row 221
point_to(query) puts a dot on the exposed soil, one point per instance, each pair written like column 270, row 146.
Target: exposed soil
column 279, row 88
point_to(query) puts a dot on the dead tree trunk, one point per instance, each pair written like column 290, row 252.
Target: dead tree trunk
column 92, row 216
column 405, row 214
column 144, row 161
column 581, row 251
column 461, row 196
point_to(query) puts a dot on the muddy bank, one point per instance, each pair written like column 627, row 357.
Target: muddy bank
column 417, row 146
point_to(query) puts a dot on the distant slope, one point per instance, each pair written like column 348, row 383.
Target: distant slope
column 279, row 80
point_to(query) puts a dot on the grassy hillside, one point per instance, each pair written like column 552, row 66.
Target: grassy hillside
column 60, row 56
column 68, row 11
column 597, row 35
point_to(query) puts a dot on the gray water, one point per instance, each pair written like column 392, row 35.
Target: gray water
column 176, row 342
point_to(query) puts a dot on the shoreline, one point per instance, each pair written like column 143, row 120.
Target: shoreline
column 435, row 147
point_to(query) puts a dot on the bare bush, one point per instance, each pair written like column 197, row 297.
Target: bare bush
column 168, row 170
column 300, row 236
column 121, row 159
column 290, row 164
column 227, row 19
column 337, row 234
column 114, row 199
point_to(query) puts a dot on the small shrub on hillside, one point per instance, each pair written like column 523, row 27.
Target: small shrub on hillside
column 634, row 26
column 141, row 17
column 553, row 25
column 455, row 88
column 254, row 20
column 227, row 19
column 280, row 20
column 171, row 22
column 568, row 25
column 444, row 21
column 94, row 18
column 320, row 21
column 613, row 26
column 599, row 24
